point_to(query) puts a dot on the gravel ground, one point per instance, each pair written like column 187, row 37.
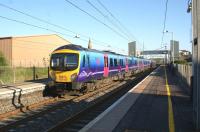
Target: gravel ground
column 18, row 101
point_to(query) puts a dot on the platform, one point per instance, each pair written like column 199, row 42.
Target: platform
column 8, row 91
column 158, row 103
column 16, row 96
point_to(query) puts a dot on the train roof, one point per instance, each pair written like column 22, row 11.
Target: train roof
column 72, row 47
column 80, row 48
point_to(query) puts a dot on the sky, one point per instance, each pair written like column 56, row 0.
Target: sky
column 142, row 18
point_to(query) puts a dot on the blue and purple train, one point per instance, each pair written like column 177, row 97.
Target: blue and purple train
column 74, row 65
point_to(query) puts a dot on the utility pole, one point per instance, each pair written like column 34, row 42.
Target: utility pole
column 196, row 61
column 172, row 54
column 173, row 46
column 165, row 55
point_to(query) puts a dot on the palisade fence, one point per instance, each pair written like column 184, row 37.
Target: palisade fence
column 184, row 72
column 10, row 74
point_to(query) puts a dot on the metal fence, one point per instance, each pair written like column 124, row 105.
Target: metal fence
column 184, row 72
column 10, row 75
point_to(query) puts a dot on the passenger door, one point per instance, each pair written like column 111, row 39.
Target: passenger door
column 106, row 68
column 126, row 64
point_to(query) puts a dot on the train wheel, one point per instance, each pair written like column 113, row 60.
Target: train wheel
column 76, row 85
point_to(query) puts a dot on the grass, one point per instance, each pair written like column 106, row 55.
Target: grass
column 21, row 74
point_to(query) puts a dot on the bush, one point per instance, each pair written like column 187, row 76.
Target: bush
column 3, row 61
column 180, row 62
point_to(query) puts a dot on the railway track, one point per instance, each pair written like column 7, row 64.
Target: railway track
column 68, row 108
column 52, row 105
column 82, row 118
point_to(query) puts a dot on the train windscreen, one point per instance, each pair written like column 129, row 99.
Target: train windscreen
column 64, row 61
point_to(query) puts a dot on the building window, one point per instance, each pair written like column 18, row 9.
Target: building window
column 129, row 61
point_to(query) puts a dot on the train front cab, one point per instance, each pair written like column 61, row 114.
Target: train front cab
column 64, row 68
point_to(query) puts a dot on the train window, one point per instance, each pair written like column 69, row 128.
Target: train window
column 84, row 61
column 64, row 61
column 115, row 62
column 111, row 62
column 135, row 62
column 120, row 62
column 70, row 61
column 129, row 62
column 55, row 62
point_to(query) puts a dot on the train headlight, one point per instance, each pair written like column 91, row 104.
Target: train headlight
column 73, row 77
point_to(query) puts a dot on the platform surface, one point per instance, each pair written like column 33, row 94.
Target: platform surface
column 23, row 88
column 158, row 103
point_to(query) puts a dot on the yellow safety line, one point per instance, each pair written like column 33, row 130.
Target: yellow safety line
column 170, row 108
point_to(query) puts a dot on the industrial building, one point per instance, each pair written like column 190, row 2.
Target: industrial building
column 174, row 48
column 132, row 48
column 29, row 51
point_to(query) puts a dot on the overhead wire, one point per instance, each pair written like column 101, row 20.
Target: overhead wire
column 52, row 24
column 28, row 24
column 97, row 42
column 36, row 18
column 111, row 14
column 107, row 17
column 119, row 22
column 95, row 18
column 32, row 25
column 36, row 26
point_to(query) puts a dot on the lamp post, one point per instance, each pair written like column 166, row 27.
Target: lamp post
column 172, row 44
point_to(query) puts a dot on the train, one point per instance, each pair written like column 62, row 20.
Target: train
column 74, row 66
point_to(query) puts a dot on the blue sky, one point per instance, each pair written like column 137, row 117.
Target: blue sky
column 143, row 18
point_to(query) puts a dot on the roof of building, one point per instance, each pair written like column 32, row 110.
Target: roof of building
column 43, row 35
column 5, row 38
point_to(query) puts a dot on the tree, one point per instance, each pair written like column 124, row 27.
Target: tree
column 3, row 61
